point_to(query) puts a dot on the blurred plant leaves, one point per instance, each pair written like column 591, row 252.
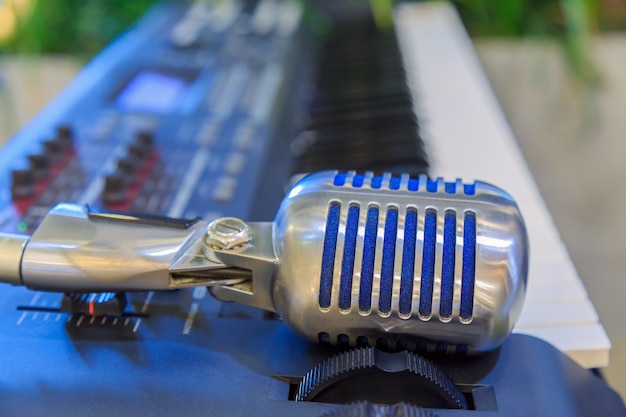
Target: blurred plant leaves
column 80, row 27
column 84, row 27
column 570, row 22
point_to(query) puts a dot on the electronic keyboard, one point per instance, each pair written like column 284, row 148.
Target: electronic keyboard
column 204, row 111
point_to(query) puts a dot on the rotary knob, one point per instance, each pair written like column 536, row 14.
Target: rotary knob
column 23, row 184
column 137, row 153
column 145, row 140
column 127, row 168
column 365, row 409
column 53, row 150
column 114, row 189
column 64, row 136
column 39, row 165
column 369, row 374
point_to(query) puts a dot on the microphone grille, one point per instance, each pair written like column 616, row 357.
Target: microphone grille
column 373, row 232
column 400, row 258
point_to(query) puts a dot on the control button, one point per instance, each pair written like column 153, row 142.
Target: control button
column 245, row 137
column 39, row 165
column 114, row 189
column 145, row 140
column 224, row 189
column 65, row 136
column 23, row 184
column 208, row 133
column 187, row 31
column 235, row 163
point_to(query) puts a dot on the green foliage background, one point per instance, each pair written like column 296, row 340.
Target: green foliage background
column 83, row 27
column 80, row 27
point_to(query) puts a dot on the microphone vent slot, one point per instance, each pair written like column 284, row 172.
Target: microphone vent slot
column 369, row 252
column 387, row 266
column 343, row 179
column 468, row 274
column 407, row 275
column 349, row 251
column 328, row 254
column 428, row 264
column 448, row 264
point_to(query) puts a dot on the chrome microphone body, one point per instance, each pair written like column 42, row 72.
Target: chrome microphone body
column 365, row 257
column 356, row 259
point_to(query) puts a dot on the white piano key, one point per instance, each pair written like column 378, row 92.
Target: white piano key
column 541, row 290
column 561, row 313
column 588, row 344
column 468, row 137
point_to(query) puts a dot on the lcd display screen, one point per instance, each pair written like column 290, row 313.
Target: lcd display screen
column 152, row 92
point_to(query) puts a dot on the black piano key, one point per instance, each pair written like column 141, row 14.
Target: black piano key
column 360, row 114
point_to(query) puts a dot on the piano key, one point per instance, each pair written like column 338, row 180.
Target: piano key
column 580, row 311
column 588, row 345
column 360, row 113
column 467, row 136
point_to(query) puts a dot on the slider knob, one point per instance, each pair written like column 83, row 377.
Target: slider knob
column 23, row 184
column 369, row 374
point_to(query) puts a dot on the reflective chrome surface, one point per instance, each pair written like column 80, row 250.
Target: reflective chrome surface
column 71, row 252
column 501, row 263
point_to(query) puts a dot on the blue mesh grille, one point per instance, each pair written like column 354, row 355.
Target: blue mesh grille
column 323, row 337
column 461, row 349
column 408, row 262
column 357, row 181
column 441, row 347
column 389, row 255
column 340, row 179
column 448, row 263
column 413, row 184
column 450, row 187
column 328, row 254
column 347, row 263
column 367, row 268
column 428, row 263
column 469, row 266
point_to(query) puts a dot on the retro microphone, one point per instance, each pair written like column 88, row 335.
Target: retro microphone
column 350, row 258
